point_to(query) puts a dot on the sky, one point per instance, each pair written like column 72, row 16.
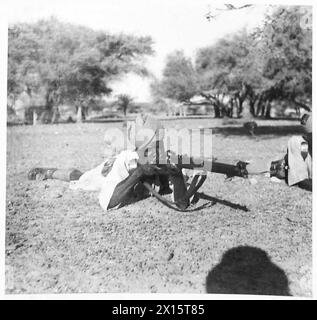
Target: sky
column 173, row 25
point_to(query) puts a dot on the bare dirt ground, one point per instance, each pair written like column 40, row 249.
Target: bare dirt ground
column 60, row 241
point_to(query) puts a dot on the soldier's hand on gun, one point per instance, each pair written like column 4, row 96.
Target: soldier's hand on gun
column 149, row 169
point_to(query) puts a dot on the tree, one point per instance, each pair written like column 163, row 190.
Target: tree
column 70, row 63
column 274, row 62
column 124, row 101
column 285, row 48
column 179, row 80
column 220, row 68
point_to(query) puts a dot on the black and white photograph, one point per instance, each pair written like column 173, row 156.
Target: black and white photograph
column 158, row 147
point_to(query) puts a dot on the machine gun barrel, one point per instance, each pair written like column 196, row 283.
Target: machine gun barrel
column 231, row 170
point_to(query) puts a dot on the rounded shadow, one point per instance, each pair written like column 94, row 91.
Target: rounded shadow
column 247, row 270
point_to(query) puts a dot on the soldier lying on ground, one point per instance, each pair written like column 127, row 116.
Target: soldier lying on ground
column 120, row 179
column 296, row 166
column 131, row 174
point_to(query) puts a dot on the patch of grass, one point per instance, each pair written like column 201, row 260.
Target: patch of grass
column 60, row 240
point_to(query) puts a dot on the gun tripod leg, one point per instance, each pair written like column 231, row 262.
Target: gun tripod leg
column 195, row 185
column 179, row 190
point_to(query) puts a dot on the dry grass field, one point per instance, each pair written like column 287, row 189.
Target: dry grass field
column 254, row 238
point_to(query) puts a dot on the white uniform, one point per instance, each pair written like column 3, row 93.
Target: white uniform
column 298, row 168
column 93, row 180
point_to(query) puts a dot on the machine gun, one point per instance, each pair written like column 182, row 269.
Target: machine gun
column 177, row 162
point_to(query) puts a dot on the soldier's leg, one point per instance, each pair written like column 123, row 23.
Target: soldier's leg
column 54, row 173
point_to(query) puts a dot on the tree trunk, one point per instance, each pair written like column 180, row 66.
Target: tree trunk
column 42, row 116
column 268, row 110
column 259, row 105
column 217, row 110
column 84, row 113
column 46, row 115
column 240, row 106
column 34, row 118
column 252, row 106
column 79, row 114
column 227, row 109
column 263, row 108
column 56, row 115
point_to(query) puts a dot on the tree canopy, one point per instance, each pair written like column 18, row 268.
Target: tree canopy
column 66, row 62
column 285, row 49
column 179, row 81
column 274, row 62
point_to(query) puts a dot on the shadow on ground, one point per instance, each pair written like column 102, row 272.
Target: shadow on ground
column 214, row 200
column 247, row 270
column 261, row 130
